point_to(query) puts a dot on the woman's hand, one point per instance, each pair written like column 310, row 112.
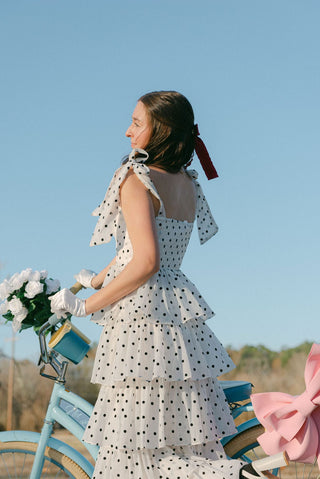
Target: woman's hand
column 85, row 277
column 65, row 302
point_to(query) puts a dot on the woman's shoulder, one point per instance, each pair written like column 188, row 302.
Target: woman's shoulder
column 131, row 181
column 193, row 174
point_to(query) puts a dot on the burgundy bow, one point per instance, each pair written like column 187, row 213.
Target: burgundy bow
column 203, row 155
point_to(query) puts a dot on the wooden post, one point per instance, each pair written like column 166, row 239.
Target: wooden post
column 10, row 386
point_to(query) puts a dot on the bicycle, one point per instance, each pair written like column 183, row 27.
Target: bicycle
column 27, row 454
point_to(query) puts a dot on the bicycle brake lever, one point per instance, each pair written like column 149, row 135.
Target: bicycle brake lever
column 53, row 320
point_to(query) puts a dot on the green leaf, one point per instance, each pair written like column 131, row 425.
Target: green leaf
column 8, row 316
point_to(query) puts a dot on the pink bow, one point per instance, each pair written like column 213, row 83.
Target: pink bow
column 292, row 423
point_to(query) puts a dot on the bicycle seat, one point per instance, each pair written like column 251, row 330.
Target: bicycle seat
column 236, row 390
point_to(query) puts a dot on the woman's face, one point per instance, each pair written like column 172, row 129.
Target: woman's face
column 140, row 129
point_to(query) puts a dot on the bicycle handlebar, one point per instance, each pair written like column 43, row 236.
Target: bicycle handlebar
column 76, row 287
column 52, row 321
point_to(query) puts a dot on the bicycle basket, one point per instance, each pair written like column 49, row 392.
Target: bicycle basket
column 70, row 342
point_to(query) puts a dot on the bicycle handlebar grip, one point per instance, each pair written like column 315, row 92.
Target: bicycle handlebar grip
column 76, row 287
column 53, row 320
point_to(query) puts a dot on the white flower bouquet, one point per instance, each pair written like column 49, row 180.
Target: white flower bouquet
column 25, row 300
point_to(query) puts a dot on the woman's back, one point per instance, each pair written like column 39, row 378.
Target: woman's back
column 177, row 192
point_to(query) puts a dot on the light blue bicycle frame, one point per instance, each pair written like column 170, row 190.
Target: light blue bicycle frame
column 72, row 412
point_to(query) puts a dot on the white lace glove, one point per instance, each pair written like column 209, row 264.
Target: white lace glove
column 85, row 277
column 64, row 302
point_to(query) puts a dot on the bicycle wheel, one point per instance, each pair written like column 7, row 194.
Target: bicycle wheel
column 245, row 446
column 16, row 459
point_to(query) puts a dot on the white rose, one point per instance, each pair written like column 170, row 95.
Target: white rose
column 33, row 288
column 15, row 305
column 19, row 312
column 52, row 285
column 26, row 274
column 4, row 307
column 16, row 282
column 43, row 274
column 18, row 318
column 35, row 276
column 5, row 289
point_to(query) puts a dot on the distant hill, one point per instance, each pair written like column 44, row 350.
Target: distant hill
column 269, row 370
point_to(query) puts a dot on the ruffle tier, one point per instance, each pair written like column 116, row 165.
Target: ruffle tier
column 206, row 461
column 168, row 297
column 142, row 349
column 150, row 415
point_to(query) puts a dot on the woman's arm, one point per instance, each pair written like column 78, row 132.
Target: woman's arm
column 98, row 280
column 138, row 212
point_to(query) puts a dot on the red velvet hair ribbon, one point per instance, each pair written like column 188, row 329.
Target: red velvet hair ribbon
column 203, row 155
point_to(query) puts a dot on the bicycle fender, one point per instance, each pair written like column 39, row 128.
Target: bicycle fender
column 242, row 427
column 29, row 436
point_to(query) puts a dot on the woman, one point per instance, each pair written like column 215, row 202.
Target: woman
column 160, row 412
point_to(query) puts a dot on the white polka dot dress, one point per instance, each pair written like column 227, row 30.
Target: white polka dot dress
column 160, row 411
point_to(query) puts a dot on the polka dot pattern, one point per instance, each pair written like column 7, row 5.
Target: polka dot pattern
column 160, row 411
column 206, row 461
column 140, row 414
column 168, row 297
column 141, row 349
column 207, row 226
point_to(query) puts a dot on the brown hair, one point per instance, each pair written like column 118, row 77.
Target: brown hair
column 173, row 138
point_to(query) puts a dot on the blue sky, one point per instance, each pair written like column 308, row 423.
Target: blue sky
column 71, row 72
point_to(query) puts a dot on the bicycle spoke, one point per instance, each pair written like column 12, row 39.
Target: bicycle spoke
column 5, row 464
column 24, row 463
column 16, row 460
column 58, row 474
